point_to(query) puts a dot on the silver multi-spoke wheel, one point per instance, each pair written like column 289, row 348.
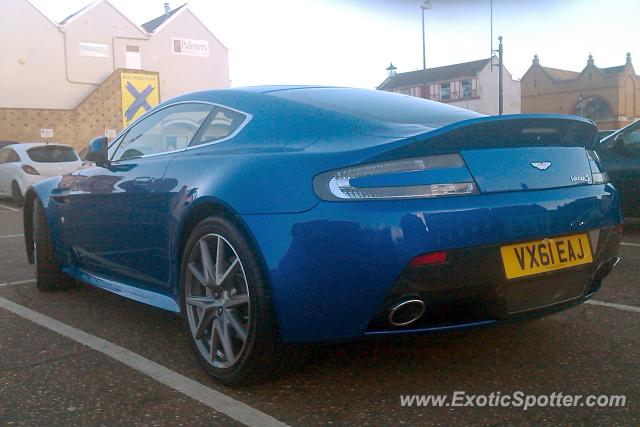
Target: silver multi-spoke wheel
column 217, row 300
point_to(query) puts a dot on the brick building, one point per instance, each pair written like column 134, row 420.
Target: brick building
column 608, row 96
column 68, row 78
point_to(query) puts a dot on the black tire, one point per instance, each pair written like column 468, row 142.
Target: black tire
column 48, row 274
column 18, row 197
column 264, row 354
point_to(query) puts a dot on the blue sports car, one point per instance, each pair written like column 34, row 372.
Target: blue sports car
column 272, row 216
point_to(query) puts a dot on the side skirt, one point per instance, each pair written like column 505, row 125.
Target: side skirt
column 141, row 295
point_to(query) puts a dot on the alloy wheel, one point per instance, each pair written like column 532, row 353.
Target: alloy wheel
column 217, row 301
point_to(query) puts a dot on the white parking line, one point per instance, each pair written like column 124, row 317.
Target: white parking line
column 635, row 245
column 18, row 282
column 9, row 208
column 9, row 236
column 612, row 305
column 212, row 398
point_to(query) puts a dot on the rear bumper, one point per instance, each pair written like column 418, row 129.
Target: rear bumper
column 471, row 288
column 333, row 268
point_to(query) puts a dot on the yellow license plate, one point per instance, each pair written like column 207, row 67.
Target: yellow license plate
column 526, row 259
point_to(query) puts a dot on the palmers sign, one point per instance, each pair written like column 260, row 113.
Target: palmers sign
column 189, row 47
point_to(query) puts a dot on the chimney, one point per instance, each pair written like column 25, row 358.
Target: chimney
column 167, row 9
column 628, row 58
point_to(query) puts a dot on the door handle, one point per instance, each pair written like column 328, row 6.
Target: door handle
column 142, row 180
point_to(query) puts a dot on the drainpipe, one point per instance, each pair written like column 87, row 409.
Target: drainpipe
column 66, row 62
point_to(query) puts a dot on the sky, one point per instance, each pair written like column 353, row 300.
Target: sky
column 352, row 42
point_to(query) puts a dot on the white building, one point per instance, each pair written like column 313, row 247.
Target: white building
column 49, row 65
column 472, row 85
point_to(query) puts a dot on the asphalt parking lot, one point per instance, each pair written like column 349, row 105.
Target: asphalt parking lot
column 87, row 357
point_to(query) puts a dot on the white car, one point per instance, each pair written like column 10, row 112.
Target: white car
column 22, row 165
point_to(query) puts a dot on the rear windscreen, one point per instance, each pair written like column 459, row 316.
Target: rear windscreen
column 52, row 154
column 379, row 106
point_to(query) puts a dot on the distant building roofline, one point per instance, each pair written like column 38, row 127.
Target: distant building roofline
column 447, row 72
column 559, row 75
column 69, row 19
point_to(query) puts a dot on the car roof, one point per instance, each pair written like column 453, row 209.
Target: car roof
column 245, row 92
column 26, row 145
column 355, row 104
column 275, row 88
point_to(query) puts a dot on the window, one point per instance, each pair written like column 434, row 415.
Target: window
column 83, row 153
column 52, row 154
column 223, row 124
column 13, row 157
column 632, row 139
column 445, row 90
column 169, row 129
column 594, row 108
column 99, row 50
column 466, row 89
column 132, row 58
column 378, row 105
column 3, row 155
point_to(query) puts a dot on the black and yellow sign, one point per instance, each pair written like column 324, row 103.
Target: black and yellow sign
column 139, row 94
column 525, row 259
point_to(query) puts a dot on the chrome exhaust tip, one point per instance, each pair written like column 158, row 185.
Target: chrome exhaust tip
column 406, row 312
column 606, row 268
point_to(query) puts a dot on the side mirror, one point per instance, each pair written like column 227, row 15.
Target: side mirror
column 97, row 151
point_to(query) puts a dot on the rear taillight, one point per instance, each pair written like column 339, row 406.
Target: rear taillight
column 433, row 176
column 598, row 175
column 30, row 170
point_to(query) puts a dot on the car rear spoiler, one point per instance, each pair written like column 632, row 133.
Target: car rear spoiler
column 508, row 131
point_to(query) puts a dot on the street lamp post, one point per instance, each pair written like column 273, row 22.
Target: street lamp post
column 425, row 6
column 581, row 104
column 501, row 77
column 500, row 66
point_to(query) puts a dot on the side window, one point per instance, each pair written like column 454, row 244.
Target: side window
column 169, row 129
column 223, row 123
column 113, row 146
column 13, row 157
column 4, row 154
column 632, row 139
